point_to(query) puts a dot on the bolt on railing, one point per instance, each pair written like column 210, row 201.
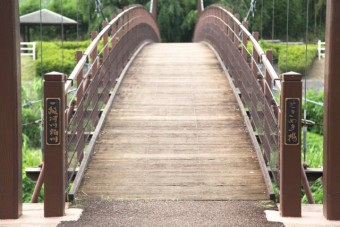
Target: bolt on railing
column 71, row 124
column 259, row 85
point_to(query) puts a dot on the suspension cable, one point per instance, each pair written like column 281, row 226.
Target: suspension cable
column 273, row 25
column 251, row 10
column 62, row 36
column 287, row 35
column 305, row 90
column 261, row 19
column 100, row 10
column 41, row 44
column 77, row 7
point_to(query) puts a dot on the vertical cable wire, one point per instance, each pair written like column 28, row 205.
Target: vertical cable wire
column 42, row 83
column 305, row 90
column 261, row 19
column 77, row 8
column 273, row 25
column 62, row 36
column 287, row 35
column 41, row 40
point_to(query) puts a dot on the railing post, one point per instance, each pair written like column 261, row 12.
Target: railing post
column 10, row 114
column 113, row 32
column 290, row 145
column 105, row 41
column 94, row 55
column 268, row 85
column 245, row 41
column 237, row 31
column 331, row 157
column 231, row 27
column 255, row 56
column 54, row 156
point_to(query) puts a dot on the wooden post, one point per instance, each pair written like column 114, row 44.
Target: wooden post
column 290, row 145
column 10, row 114
column 54, row 157
column 331, row 158
column 254, row 62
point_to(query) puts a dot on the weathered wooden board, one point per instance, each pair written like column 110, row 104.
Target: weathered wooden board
column 175, row 131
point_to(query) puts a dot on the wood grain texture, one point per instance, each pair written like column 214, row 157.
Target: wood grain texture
column 175, row 131
column 10, row 113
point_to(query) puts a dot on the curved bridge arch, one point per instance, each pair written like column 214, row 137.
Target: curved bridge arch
column 251, row 72
column 93, row 81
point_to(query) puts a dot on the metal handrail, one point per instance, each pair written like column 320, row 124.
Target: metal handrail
column 230, row 42
column 254, row 89
column 94, row 79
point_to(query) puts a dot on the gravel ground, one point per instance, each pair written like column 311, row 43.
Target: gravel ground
column 98, row 212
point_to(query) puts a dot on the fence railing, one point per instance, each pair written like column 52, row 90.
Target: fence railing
column 28, row 49
column 72, row 123
column 274, row 119
column 321, row 49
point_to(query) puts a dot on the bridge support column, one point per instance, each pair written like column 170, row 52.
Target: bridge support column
column 331, row 158
column 290, row 145
column 54, row 156
column 10, row 114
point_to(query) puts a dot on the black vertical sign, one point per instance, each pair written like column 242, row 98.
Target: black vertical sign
column 292, row 116
column 53, row 121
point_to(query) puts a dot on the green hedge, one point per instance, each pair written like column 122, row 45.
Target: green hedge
column 296, row 55
column 296, row 58
column 58, row 57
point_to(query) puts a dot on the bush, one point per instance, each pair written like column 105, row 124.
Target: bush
column 296, row 58
column 314, row 111
column 58, row 57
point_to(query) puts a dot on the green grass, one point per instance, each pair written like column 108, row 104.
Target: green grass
column 314, row 150
column 31, row 153
column 27, row 68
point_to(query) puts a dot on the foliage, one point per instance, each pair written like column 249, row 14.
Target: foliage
column 31, row 119
column 296, row 58
column 176, row 20
column 31, row 158
column 57, row 56
column 314, row 150
column 314, row 111
column 317, row 191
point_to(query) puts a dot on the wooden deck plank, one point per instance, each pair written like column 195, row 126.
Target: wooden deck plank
column 175, row 131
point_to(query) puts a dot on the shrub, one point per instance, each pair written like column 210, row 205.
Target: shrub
column 314, row 111
column 296, row 58
column 58, row 57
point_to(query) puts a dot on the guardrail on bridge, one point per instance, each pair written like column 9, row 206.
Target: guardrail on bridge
column 274, row 121
column 72, row 124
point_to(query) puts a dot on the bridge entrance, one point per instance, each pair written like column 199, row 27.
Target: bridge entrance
column 175, row 132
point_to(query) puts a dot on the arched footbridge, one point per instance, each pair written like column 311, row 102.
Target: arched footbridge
column 206, row 120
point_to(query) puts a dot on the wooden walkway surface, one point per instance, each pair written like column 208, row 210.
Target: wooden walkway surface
column 175, row 132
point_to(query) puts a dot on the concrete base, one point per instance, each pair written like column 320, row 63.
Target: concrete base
column 312, row 215
column 33, row 215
